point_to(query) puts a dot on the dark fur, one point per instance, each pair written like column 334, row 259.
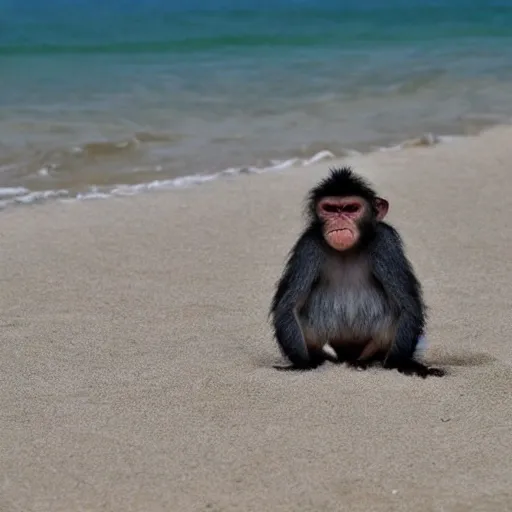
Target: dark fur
column 341, row 182
column 368, row 292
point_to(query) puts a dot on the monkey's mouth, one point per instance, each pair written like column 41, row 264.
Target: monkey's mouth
column 341, row 238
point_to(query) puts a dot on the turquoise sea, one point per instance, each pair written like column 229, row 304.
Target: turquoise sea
column 100, row 97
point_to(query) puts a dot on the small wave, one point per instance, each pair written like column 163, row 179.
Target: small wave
column 41, row 195
column 21, row 195
column 157, row 137
column 110, row 148
column 105, row 148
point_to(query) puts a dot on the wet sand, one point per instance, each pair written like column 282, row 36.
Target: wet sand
column 136, row 358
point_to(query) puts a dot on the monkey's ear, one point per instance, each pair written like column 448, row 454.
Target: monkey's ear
column 382, row 207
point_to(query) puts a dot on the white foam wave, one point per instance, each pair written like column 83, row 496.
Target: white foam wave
column 21, row 195
column 197, row 179
column 12, row 191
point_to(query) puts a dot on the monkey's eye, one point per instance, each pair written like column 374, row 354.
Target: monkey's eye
column 340, row 208
column 350, row 208
column 331, row 208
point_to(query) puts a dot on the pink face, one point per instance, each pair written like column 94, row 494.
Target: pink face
column 341, row 217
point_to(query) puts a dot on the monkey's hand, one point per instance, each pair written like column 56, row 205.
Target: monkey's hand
column 412, row 367
column 287, row 367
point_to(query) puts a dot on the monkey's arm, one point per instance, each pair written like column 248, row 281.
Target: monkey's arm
column 301, row 272
column 393, row 270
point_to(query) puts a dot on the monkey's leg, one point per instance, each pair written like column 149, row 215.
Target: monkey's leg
column 318, row 354
column 327, row 353
column 316, row 358
column 410, row 366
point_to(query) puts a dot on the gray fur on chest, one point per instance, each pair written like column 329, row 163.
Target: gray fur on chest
column 347, row 304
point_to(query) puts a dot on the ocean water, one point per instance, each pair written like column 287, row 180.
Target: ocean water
column 101, row 97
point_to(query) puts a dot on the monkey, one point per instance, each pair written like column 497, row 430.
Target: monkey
column 348, row 292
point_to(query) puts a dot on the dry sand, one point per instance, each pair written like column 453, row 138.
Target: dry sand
column 136, row 355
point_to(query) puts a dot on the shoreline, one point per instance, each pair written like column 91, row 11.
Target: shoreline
column 20, row 196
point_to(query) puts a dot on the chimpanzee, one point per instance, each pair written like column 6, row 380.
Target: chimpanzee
column 348, row 292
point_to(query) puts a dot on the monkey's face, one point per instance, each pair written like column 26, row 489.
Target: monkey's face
column 344, row 218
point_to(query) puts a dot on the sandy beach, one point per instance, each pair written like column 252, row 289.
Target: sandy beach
column 136, row 357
